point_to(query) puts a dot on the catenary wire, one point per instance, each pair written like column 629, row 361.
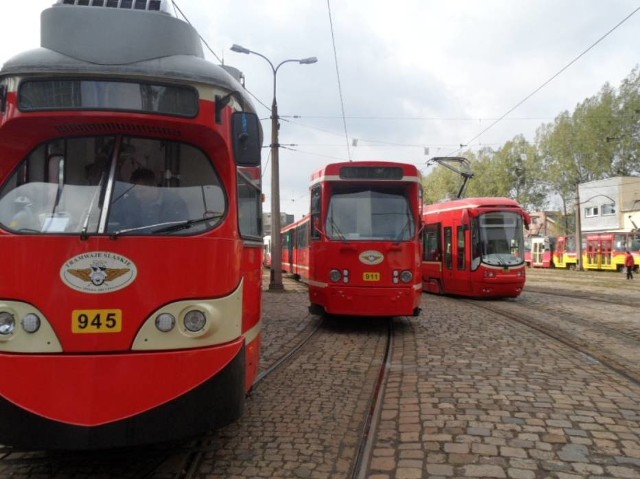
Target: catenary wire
column 335, row 56
column 553, row 77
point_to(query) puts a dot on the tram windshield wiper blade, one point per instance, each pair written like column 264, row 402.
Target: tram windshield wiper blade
column 169, row 226
column 185, row 225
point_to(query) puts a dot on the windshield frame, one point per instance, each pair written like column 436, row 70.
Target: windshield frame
column 497, row 239
column 86, row 186
column 370, row 213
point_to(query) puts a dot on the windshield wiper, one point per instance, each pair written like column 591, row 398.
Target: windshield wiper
column 185, row 225
column 167, row 227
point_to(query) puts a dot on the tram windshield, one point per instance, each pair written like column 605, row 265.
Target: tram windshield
column 370, row 213
column 497, row 239
column 113, row 185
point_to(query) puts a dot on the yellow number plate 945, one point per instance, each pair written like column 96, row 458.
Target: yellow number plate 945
column 96, row 321
column 371, row 276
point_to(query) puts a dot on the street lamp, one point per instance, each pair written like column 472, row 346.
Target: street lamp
column 275, row 282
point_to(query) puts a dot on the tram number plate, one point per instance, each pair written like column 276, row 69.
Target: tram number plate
column 96, row 321
column 371, row 276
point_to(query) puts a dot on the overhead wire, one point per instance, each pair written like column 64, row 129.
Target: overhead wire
column 553, row 77
column 335, row 56
column 175, row 5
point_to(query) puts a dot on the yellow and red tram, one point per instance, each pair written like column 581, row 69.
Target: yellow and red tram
column 129, row 310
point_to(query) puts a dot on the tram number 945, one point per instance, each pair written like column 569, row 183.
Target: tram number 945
column 96, row 321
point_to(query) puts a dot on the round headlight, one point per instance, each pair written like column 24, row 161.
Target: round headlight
column 31, row 323
column 406, row 276
column 195, row 321
column 334, row 275
column 165, row 322
column 7, row 323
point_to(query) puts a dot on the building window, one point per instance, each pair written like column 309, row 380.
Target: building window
column 608, row 209
column 591, row 212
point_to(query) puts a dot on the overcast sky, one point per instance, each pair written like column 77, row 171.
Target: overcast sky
column 414, row 74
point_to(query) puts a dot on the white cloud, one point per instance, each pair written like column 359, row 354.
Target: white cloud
column 439, row 72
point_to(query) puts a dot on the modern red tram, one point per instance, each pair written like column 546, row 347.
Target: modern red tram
column 130, row 233
column 358, row 248
column 474, row 247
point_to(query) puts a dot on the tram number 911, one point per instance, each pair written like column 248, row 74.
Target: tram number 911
column 371, row 276
column 96, row 321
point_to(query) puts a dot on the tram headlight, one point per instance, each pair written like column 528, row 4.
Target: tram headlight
column 195, row 321
column 31, row 323
column 335, row 275
column 7, row 323
column 165, row 322
column 406, row 276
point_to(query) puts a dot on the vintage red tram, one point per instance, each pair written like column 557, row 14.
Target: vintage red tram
column 358, row 248
column 129, row 310
column 474, row 247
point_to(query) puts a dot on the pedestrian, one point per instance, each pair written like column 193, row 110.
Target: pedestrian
column 629, row 264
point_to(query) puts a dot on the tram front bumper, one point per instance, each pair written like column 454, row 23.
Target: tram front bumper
column 359, row 301
column 99, row 401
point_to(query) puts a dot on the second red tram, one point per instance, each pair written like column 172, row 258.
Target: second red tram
column 130, row 233
column 358, row 248
column 474, row 247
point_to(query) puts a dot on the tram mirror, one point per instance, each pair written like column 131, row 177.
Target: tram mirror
column 247, row 138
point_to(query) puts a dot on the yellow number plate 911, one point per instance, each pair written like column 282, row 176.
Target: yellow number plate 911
column 371, row 276
column 96, row 321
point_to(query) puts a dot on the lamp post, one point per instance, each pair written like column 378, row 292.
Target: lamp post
column 275, row 279
column 579, row 265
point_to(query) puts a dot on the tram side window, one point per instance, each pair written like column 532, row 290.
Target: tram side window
column 249, row 208
column 302, row 236
column 431, row 243
column 316, row 205
column 448, row 247
column 462, row 248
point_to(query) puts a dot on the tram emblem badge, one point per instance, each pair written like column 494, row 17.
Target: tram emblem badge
column 98, row 272
column 371, row 257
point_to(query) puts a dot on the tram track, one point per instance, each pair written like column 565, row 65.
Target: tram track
column 193, row 459
column 363, row 454
column 588, row 295
column 580, row 343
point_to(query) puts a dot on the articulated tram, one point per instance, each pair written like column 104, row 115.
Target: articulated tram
column 604, row 251
column 358, row 248
column 474, row 247
column 130, row 233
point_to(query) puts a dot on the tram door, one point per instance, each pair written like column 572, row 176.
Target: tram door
column 456, row 277
column 606, row 252
column 559, row 253
column 594, row 252
column 538, row 249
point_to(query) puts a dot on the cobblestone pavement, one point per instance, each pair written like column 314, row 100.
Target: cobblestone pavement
column 472, row 396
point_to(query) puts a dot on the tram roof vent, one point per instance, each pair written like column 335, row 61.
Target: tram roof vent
column 117, row 32
column 150, row 5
